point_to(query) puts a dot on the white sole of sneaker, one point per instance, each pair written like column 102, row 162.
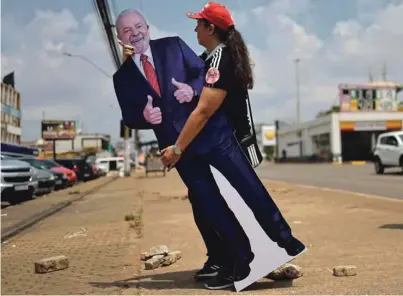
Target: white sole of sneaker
column 205, row 275
column 218, row 287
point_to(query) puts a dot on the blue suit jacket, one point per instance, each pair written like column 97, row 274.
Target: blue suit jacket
column 173, row 58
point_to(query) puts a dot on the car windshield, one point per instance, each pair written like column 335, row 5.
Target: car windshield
column 36, row 163
column 50, row 163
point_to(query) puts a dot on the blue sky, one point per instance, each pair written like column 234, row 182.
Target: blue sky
column 337, row 41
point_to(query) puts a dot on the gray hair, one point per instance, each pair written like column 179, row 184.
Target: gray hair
column 130, row 10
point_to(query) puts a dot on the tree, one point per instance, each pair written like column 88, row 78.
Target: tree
column 332, row 109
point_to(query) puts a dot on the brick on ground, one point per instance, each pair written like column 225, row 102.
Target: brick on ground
column 51, row 264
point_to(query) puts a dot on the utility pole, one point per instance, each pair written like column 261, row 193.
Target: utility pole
column 298, row 103
column 384, row 72
column 136, row 147
column 127, row 166
column 371, row 77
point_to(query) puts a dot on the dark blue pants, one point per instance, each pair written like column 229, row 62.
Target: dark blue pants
column 217, row 251
column 210, row 208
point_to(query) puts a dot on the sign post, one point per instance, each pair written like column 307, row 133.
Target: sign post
column 268, row 135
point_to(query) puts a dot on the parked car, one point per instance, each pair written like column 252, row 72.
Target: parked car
column 16, row 181
column 53, row 165
column 108, row 164
column 61, row 180
column 80, row 166
column 46, row 181
column 388, row 151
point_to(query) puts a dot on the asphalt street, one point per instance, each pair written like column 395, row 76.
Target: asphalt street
column 355, row 178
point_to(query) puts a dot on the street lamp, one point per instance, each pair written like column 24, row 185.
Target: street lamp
column 298, row 103
column 88, row 61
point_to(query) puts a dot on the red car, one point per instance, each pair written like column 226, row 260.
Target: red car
column 71, row 175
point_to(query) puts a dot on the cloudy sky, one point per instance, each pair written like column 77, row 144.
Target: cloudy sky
column 337, row 42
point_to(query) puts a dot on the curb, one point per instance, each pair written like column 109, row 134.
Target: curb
column 358, row 162
column 30, row 221
column 354, row 162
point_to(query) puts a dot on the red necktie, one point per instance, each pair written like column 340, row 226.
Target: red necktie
column 150, row 73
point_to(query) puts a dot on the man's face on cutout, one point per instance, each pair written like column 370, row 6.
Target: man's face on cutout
column 133, row 29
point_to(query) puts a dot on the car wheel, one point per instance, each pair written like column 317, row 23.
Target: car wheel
column 21, row 198
column 379, row 168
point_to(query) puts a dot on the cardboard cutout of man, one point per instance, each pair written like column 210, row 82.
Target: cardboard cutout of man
column 133, row 34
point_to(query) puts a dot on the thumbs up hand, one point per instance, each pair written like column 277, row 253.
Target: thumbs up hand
column 184, row 92
column 152, row 114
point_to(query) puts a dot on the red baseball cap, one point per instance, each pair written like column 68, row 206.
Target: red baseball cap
column 215, row 13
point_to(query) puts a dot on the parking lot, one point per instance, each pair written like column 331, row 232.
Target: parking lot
column 356, row 178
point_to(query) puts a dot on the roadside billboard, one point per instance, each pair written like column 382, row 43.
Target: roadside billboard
column 268, row 135
column 373, row 97
column 58, row 129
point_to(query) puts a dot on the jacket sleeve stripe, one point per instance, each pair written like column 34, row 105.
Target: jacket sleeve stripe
column 215, row 63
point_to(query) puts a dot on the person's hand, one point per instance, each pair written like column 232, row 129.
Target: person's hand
column 169, row 158
column 152, row 114
column 128, row 49
column 184, row 92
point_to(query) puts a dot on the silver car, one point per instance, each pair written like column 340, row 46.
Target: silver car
column 46, row 181
column 17, row 184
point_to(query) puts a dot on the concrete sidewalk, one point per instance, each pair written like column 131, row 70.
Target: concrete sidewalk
column 12, row 216
column 92, row 233
column 104, row 250
column 340, row 229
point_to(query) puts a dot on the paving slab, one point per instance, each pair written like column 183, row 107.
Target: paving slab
column 12, row 216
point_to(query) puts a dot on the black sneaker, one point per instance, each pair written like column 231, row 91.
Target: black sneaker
column 242, row 268
column 294, row 247
column 222, row 281
column 208, row 271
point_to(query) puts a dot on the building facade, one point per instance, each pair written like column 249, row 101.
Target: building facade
column 10, row 115
column 337, row 137
column 366, row 111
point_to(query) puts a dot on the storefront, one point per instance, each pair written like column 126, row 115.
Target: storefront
column 338, row 136
column 349, row 135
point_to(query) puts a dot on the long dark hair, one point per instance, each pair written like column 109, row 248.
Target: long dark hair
column 232, row 38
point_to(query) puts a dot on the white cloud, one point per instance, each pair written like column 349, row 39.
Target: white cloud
column 353, row 48
column 156, row 33
column 240, row 18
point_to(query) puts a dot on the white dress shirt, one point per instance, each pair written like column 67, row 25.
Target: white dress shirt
column 139, row 64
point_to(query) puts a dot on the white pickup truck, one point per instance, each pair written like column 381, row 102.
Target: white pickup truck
column 388, row 151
